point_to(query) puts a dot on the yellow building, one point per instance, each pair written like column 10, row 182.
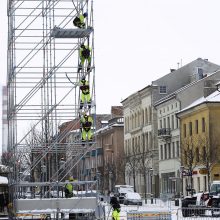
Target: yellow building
column 200, row 143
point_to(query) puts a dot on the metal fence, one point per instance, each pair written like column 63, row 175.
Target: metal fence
column 200, row 212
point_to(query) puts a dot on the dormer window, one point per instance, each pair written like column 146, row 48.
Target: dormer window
column 163, row 89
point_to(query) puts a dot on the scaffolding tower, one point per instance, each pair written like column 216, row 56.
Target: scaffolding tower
column 45, row 69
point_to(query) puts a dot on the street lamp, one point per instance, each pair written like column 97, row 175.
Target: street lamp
column 151, row 184
column 110, row 181
column 181, row 171
column 98, row 175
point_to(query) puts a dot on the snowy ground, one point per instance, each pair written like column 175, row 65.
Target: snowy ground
column 158, row 210
column 159, row 207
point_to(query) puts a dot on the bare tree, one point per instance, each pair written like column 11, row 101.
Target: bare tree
column 208, row 155
column 132, row 162
column 189, row 156
column 145, row 164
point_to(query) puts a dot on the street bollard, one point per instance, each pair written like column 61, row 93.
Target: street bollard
column 152, row 199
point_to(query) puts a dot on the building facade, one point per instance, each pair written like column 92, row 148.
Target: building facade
column 169, row 131
column 200, row 142
column 141, row 126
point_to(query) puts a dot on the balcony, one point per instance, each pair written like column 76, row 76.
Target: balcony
column 164, row 133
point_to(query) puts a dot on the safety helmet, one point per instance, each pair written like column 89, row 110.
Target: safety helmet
column 85, row 14
column 71, row 179
column 83, row 77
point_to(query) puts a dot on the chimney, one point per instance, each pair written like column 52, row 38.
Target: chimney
column 209, row 87
column 117, row 111
column 172, row 70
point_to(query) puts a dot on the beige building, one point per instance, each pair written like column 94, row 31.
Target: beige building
column 200, row 143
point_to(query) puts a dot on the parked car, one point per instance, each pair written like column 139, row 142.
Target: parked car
column 121, row 190
column 132, row 198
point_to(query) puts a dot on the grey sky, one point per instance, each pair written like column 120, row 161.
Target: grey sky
column 139, row 41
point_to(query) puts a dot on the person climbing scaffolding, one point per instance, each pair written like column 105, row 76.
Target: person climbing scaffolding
column 86, row 124
column 79, row 21
column 69, row 188
column 85, row 54
column 85, row 93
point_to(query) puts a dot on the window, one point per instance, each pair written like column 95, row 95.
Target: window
column 196, row 126
column 168, row 122
column 184, row 130
column 177, row 149
column 163, row 89
column 161, row 152
column 172, row 122
column 164, row 123
column 190, row 128
column 169, row 151
column 203, row 124
column 205, row 183
column 165, row 151
column 177, row 122
column 173, row 149
column 161, row 126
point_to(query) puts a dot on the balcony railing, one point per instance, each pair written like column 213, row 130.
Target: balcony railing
column 164, row 132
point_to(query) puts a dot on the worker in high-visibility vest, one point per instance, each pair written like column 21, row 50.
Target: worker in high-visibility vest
column 86, row 124
column 116, row 214
column 69, row 188
column 85, row 54
column 79, row 21
column 85, row 92
column 116, row 208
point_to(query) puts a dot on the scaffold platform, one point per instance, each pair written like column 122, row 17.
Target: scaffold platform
column 71, row 33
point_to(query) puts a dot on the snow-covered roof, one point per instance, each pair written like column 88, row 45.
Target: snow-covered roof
column 214, row 97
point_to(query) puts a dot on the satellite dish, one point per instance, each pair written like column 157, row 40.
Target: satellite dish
column 99, row 212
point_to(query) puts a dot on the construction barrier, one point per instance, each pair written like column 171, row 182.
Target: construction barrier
column 152, row 215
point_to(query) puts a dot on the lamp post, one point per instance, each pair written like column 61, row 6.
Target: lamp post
column 43, row 171
column 151, row 184
column 181, row 171
column 98, row 175
column 110, row 181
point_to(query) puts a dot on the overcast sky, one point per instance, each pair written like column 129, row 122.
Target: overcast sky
column 138, row 41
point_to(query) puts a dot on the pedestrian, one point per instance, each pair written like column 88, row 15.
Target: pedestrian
column 86, row 124
column 85, row 54
column 85, row 93
column 116, row 208
column 79, row 21
column 69, row 188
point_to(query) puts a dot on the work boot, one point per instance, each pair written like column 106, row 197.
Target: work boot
column 79, row 68
column 89, row 105
column 81, row 106
column 88, row 68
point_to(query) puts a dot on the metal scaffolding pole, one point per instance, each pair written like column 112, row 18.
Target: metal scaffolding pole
column 44, row 109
